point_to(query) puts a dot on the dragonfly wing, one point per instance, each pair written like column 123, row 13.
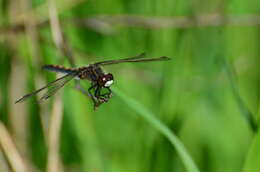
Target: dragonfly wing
column 107, row 62
column 56, row 86
column 60, row 82
column 139, row 58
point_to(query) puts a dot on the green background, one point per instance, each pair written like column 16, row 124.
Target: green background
column 205, row 100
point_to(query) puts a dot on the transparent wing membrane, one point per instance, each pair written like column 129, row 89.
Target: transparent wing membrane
column 51, row 88
column 56, row 86
column 139, row 58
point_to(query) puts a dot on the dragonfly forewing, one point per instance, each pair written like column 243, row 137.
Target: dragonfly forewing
column 139, row 58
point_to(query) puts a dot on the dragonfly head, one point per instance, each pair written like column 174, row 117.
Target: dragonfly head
column 106, row 80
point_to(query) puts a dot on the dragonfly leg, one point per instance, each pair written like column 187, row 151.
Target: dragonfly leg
column 97, row 92
column 107, row 95
column 94, row 97
column 87, row 93
column 89, row 90
column 98, row 98
column 101, row 97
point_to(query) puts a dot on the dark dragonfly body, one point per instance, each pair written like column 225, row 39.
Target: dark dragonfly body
column 93, row 72
column 90, row 72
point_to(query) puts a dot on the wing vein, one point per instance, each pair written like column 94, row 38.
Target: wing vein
column 60, row 82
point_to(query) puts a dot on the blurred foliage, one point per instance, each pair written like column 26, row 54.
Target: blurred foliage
column 207, row 95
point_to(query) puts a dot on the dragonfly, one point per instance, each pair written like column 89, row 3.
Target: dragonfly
column 93, row 73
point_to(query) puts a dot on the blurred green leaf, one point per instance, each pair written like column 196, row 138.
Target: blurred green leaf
column 163, row 129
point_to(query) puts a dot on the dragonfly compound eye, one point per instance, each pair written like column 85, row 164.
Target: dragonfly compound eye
column 109, row 80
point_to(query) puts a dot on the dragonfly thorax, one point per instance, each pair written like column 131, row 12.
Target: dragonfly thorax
column 91, row 72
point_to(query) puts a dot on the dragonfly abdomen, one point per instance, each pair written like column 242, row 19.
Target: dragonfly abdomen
column 60, row 69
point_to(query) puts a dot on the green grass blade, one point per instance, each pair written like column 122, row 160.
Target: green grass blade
column 252, row 158
column 157, row 124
